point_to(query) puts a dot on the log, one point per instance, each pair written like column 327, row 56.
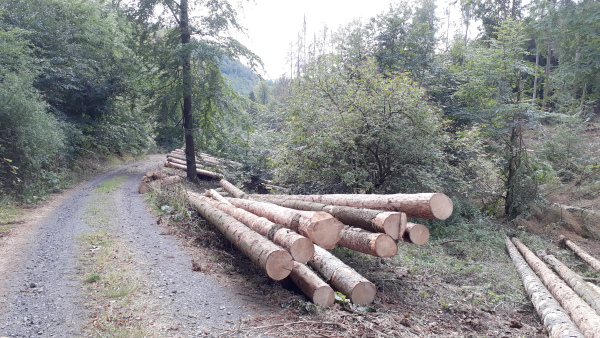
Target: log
column 584, row 317
column 314, row 287
column 374, row 244
column 205, row 157
column 591, row 260
column 426, row 205
column 171, row 157
column 145, row 187
column 300, row 247
column 575, row 281
column 320, row 227
column 215, row 195
column 155, row 175
column 343, row 278
column 415, row 233
column 553, row 316
column 179, row 161
column 275, row 261
column 390, row 223
column 199, row 171
column 232, row 189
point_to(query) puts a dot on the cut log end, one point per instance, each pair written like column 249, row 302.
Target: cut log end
column 279, row 264
column 324, row 296
column 441, row 206
column 416, row 233
column 326, row 230
column 393, row 223
column 385, row 246
column 302, row 250
column 363, row 293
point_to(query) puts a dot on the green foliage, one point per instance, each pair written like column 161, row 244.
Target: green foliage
column 353, row 128
column 242, row 78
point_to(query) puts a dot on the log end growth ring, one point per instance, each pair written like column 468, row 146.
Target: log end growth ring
column 326, row 230
column 385, row 246
column 363, row 293
column 302, row 250
column 441, row 206
column 279, row 265
column 324, row 296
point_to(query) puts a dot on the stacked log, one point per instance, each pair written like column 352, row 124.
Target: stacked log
column 426, row 205
column 553, row 316
column 275, row 261
column 390, row 223
column 584, row 317
column 312, row 286
column 300, row 247
column 201, row 172
column 416, row 233
column 153, row 181
column 374, row 244
column 320, row 227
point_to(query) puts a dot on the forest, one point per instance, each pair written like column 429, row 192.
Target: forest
column 395, row 103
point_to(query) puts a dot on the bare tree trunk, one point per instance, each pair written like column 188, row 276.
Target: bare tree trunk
column 553, row 316
column 187, row 92
column 274, row 260
column 535, row 78
column 586, row 319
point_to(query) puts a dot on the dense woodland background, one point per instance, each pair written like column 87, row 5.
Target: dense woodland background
column 397, row 103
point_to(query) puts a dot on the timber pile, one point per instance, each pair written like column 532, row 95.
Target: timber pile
column 582, row 313
column 176, row 159
column 153, row 180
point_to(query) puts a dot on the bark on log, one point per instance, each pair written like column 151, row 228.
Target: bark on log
column 232, row 189
column 592, row 261
column 390, row 223
column 574, row 280
column 553, row 316
column 426, row 205
column 215, row 195
column 343, row 278
column 300, row 247
column 586, row 319
column 320, row 227
column 314, row 287
column 375, row 244
column 274, row 260
column 198, row 171
column 155, row 175
column 144, row 187
column 178, row 157
column 178, row 161
column 415, row 233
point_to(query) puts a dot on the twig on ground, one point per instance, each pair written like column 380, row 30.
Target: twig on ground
column 450, row 241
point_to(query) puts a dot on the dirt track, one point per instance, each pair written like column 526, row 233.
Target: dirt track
column 42, row 291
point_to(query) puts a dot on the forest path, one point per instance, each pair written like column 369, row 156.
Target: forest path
column 151, row 286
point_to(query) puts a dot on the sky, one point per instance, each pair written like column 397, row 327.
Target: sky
column 273, row 24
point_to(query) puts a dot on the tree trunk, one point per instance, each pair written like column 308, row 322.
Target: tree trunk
column 574, row 280
column 274, row 260
column 374, row 244
column 320, row 227
column 198, row 171
column 427, row 205
column 314, row 287
column 232, row 189
column 144, row 187
column 547, row 77
column 586, row 319
column 187, row 92
column 300, row 247
column 535, row 78
column 416, row 233
column 553, row 316
column 593, row 262
column 390, row 223
column 343, row 278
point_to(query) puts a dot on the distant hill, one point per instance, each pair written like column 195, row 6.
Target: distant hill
column 242, row 77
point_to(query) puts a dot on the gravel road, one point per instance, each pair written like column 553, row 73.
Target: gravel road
column 41, row 288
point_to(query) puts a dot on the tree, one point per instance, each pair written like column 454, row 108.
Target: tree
column 210, row 27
